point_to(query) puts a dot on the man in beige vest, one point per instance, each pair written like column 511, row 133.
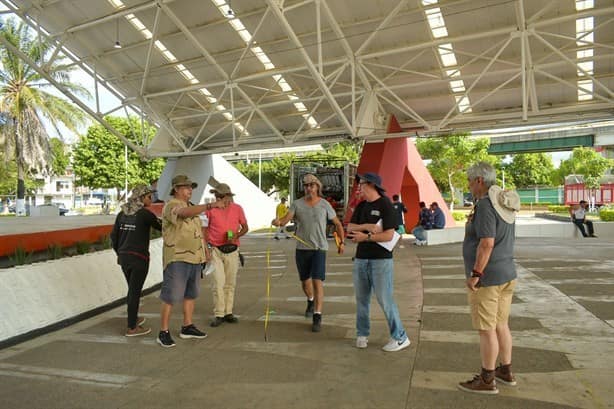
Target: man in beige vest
column 183, row 256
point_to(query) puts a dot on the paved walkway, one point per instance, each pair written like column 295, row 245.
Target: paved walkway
column 562, row 321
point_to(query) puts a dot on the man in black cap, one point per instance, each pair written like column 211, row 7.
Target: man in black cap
column 374, row 222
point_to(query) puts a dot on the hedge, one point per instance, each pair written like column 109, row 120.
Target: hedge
column 606, row 214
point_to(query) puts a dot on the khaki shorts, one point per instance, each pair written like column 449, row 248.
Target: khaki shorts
column 491, row 305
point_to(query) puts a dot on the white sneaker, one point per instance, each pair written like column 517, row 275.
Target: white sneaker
column 393, row 345
column 361, row 342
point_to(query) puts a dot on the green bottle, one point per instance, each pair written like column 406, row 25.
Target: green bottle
column 230, row 235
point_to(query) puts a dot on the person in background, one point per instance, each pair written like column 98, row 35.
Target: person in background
column 439, row 219
column 130, row 240
column 183, row 256
column 311, row 214
column 425, row 222
column 226, row 226
column 374, row 221
column 399, row 209
column 154, row 192
column 280, row 211
column 578, row 217
column 490, row 276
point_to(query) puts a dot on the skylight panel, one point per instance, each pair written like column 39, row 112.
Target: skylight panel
column 586, row 66
column 585, row 90
column 463, row 103
column 446, row 54
column 457, row 85
column 584, row 4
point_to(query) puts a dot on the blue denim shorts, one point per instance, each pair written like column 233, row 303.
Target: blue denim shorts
column 180, row 281
column 311, row 264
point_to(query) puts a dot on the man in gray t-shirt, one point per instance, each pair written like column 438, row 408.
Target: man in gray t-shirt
column 310, row 214
column 488, row 253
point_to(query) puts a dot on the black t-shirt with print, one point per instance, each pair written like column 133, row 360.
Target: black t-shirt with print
column 372, row 212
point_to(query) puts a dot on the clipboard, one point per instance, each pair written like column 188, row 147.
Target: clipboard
column 388, row 245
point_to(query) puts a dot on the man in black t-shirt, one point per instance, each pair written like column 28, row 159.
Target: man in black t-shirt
column 374, row 222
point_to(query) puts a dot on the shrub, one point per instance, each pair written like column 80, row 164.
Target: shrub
column 54, row 251
column 459, row 216
column 83, row 247
column 558, row 209
column 106, row 241
column 606, row 214
column 21, row 257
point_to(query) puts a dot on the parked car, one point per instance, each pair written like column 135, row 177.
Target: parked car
column 63, row 210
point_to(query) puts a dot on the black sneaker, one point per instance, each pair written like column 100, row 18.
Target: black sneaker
column 217, row 321
column 191, row 331
column 165, row 340
column 231, row 318
column 309, row 310
column 317, row 323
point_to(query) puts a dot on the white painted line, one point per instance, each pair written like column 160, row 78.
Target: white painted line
column 449, row 309
column 594, row 298
column 445, row 291
column 444, row 277
column 69, row 375
column 461, row 267
column 592, row 281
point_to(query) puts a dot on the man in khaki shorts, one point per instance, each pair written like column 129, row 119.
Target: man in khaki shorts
column 488, row 252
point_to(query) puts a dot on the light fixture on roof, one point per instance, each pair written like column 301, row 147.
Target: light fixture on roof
column 230, row 13
column 117, row 43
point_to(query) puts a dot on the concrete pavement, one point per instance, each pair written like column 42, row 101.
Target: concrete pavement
column 562, row 322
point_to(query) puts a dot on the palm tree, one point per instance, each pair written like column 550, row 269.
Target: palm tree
column 27, row 105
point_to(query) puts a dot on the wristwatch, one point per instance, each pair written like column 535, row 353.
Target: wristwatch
column 369, row 236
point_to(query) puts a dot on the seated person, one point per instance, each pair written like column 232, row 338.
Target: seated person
column 439, row 219
column 425, row 222
column 578, row 217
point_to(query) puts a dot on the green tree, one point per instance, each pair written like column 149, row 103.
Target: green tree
column 586, row 162
column 61, row 156
column 530, row 169
column 450, row 157
column 99, row 159
column 25, row 101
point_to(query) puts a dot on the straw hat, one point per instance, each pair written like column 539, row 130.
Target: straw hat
column 505, row 202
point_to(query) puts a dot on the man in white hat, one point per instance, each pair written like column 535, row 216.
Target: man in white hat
column 311, row 213
column 225, row 227
column 488, row 253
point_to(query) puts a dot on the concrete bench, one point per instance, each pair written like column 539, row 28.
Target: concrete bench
column 524, row 228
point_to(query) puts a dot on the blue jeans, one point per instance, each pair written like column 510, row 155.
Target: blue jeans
column 376, row 275
column 419, row 233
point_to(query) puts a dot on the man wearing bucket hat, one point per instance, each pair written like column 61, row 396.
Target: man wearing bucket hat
column 488, row 253
column 225, row 227
column 374, row 221
column 130, row 239
column 183, row 256
column 311, row 213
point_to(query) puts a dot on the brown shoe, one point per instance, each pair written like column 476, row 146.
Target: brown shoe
column 138, row 331
column 140, row 321
column 505, row 375
column 477, row 385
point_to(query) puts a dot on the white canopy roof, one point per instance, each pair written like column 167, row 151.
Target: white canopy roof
column 296, row 72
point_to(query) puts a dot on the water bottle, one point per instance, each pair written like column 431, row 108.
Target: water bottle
column 230, row 235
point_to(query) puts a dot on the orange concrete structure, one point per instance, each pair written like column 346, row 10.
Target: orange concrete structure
column 399, row 164
column 40, row 241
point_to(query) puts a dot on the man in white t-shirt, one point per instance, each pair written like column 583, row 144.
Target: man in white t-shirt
column 578, row 217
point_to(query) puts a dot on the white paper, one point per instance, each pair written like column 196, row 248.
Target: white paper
column 209, row 268
column 388, row 245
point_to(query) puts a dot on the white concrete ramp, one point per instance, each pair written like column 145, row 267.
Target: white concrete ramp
column 259, row 208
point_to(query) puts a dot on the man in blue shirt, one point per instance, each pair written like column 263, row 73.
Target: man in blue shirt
column 439, row 219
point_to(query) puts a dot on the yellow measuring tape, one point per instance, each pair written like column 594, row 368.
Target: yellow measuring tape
column 267, row 308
